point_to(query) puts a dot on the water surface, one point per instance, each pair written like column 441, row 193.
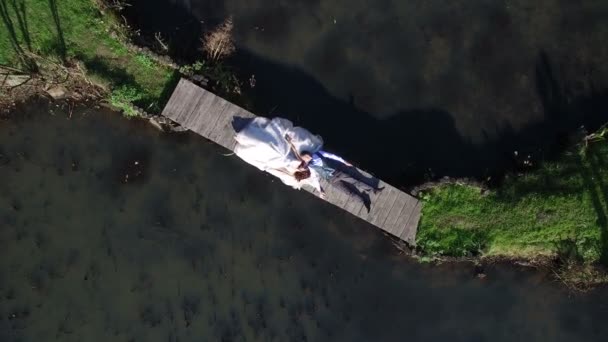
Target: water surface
column 111, row 231
column 416, row 89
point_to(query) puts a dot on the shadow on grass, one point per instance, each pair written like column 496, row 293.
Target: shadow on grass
column 62, row 50
column 168, row 90
column 100, row 67
column 598, row 190
column 19, row 32
column 119, row 77
column 20, row 13
column 19, row 10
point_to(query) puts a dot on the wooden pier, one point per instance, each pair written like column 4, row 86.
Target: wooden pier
column 210, row 116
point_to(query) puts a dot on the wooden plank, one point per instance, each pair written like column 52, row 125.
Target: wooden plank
column 393, row 214
column 354, row 204
column 380, row 202
column 220, row 125
column 409, row 234
column 211, row 116
column 387, row 204
column 190, row 98
column 223, row 132
column 226, row 138
column 211, row 126
column 174, row 106
column 336, row 196
column 198, row 114
column 183, row 102
column 332, row 195
column 401, row 223
column 374, row 197
column 388, row 209
column 187, row 110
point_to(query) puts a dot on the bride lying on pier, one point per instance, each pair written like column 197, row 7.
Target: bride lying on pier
column 262, row 143
column 294, row 155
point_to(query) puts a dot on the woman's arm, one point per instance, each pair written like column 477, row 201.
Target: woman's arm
column 293, row 147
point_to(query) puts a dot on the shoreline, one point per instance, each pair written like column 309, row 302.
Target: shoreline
column 574, row 277
column 133, row 98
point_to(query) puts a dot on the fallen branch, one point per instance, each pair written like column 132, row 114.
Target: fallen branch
column 12, row 69
column 159, row 39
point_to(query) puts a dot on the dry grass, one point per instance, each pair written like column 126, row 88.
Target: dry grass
column 219, row 43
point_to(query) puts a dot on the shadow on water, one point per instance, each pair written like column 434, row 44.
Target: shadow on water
column 409, row 145
column 417, row 144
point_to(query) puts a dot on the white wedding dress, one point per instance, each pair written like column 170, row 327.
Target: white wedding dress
column 262, row 144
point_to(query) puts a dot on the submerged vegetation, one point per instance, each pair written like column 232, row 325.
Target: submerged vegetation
column 557, row 212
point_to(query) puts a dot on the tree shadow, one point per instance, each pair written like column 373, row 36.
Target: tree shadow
column 420, row 144
column 98, row 65
column 168, row 89
column 12, row 32
column 20, row 13
column 56, row 19
column 20, row 32
column 598, row 190
column 410, row 146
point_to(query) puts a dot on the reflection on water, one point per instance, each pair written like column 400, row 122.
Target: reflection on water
column 415, row 89
column 112, row 232
column 474, row 59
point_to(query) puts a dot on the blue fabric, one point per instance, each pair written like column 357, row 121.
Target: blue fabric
column 320, row 166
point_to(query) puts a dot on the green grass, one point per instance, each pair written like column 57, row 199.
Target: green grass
column 79, row 31
column 559, row 209
column 123, row 98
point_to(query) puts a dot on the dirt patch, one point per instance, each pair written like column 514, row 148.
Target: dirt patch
column 66, row 81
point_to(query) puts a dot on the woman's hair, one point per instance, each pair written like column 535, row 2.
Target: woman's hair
column 300, row 175
column 306, row 153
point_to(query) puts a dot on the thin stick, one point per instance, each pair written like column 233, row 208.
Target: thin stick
column 71, row 109
column 2, row 66
column 160, row 41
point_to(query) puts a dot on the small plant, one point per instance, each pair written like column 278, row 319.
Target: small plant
column 191, row 69
column 218, row 43
column 124, row 98
column 145, row 60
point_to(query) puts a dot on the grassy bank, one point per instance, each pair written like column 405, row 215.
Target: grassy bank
column 559, row 210
column 82, row 33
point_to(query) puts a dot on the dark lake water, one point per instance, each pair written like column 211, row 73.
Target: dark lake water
column 416, row 89
column 111, row 231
